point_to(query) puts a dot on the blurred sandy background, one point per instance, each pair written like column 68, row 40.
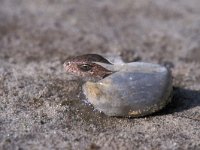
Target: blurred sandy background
column 41, row 107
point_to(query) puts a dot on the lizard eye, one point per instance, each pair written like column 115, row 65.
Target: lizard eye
column 66, row 63
column 85, row 67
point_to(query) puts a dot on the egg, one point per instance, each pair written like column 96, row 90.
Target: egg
column 138, row 89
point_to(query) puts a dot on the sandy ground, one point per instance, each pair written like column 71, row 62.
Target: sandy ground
column 41, row 107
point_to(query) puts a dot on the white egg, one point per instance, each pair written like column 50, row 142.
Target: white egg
column 136, row 89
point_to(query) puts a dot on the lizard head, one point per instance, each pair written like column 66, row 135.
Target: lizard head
column 87, row 67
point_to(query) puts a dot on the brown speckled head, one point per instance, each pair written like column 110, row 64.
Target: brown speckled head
column 85, row 67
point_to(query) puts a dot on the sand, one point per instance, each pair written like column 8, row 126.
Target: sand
column 41, row 107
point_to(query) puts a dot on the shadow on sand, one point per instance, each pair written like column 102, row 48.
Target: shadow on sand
column 182, row 100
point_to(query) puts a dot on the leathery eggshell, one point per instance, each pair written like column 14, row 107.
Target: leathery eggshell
column 137, row 89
